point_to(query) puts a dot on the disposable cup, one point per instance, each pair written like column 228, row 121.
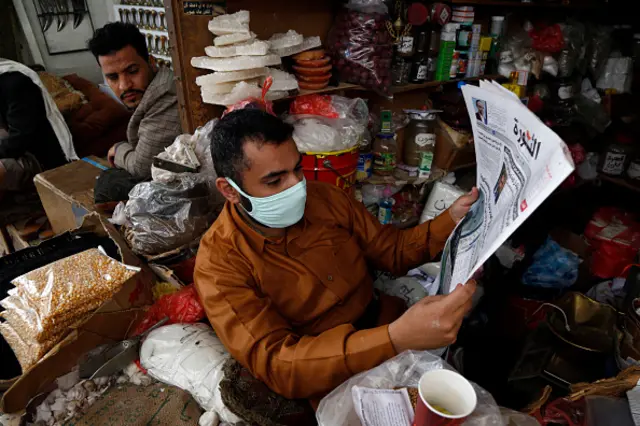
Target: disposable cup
column 448, row 390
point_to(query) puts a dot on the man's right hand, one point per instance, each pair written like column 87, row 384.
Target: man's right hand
column 433, row 322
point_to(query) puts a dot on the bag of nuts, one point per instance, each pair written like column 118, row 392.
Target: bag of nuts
column 47, row 300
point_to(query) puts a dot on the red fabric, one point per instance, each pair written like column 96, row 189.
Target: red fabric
column 100, row 123
column 181, row 307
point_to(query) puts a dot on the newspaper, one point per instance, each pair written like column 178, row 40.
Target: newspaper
column 382, row 407
column 520, row 162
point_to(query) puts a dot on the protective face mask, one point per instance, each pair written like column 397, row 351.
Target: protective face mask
column 280, row 210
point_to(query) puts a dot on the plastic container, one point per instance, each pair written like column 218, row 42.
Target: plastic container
column 385, row 206
column 617, row 156
column 337, row 168
column 420, row 140
column 384, row 154
column 445, row 55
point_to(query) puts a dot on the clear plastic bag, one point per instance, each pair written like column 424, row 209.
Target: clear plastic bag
column 331, row 106
column 361, row 46
column 405, row 370
column 191, row 357
column 320, row 134
column 165, row 216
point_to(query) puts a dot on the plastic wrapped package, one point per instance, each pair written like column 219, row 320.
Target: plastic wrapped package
column 249, row 48
column 27, row 352
column 320, row 134
column 163, row 216
column 228, row 24
column 617, row 74
column 553, row 267
column 440, row 198
column 237, row 63
column 284, row 40
column 405, row 370
column 307, row 44
column 191, row 357
column 226, row 77
column 331, row 106
column 598, row 51
column 181, row 151
column 282, row 81
column 229, row 39
column 361, row 46
column 412, row 288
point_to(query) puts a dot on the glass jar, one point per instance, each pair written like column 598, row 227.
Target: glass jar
column 617, row 156
column 384, row 154
column 420, row 140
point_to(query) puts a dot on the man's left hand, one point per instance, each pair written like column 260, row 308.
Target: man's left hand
column 461, row 206
column 111, row 156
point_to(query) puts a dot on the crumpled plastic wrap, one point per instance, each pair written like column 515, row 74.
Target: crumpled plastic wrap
column 191, row 357
column 47, row 300
column 237, row 63
column 228, row 24
column 405, row 370
column 249, row 48
column 553, row 267
column 230, row 76
column 165, row 216
column 320, row 134
column 182, row 307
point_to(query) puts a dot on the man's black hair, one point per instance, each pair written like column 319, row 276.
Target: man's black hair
column 115, row 36
column 233, row 130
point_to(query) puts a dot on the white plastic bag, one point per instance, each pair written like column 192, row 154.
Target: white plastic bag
column 405, row 370
column 440, row 198
column 191, row 357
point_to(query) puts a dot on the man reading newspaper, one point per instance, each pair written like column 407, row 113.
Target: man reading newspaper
column 520, row 163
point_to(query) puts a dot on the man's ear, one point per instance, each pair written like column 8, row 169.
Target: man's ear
column 153, row 64
column 227, row 191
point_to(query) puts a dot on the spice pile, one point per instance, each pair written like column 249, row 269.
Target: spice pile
column 46, row 301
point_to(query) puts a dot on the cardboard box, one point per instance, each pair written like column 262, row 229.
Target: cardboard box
column 453, row 149
column 108, row 324
column 66, row 193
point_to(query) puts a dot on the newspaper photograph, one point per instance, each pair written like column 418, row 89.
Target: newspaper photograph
column 520, row 162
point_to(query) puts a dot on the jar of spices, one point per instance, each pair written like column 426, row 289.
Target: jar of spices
column 617, row 156
column 420, row 140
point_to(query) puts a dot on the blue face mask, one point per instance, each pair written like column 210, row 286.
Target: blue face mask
column 280, row 210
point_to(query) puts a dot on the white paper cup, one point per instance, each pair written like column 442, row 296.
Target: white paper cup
column 446, row 389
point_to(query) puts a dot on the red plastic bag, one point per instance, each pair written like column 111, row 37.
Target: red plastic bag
column 615, row 236
column 547, row 39
column 181, row 307
column 314, row 105
column 361, row 46
column 253, row 103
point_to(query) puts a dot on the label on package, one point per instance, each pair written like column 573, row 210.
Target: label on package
column 382, row 407
column 365, row 160
column 426, row 162
column 405, row 45
column 614, row 163
column 422, row 72
column 384, row 161
column 424, row 139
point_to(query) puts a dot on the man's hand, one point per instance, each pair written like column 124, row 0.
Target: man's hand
column 111, row 156
column 462, row 205
column 433, row 322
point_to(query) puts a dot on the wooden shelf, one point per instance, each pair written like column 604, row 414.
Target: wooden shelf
column 624, row 183
column 519, row 4
column 395, row 89
column 392, row 180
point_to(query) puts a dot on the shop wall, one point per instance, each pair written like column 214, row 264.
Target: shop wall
column 81, row 63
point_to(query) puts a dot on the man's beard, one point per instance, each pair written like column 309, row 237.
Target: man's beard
column 128, row 92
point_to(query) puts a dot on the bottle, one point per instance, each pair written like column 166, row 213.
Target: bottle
column 385, row 206
column 617, row 156
column 384, row 154
column 420, row 65
column 432, row 55
column 446, row 51
column 497, row 27
column 402, row 51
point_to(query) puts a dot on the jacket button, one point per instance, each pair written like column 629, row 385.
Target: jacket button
column 330, row 277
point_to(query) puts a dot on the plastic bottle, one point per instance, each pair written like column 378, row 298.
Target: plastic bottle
column 497, row 28
column 385, row 206
column 445, row 56
column 432, row 56
column 420, row 65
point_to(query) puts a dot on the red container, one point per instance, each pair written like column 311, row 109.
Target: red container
column 337, row 168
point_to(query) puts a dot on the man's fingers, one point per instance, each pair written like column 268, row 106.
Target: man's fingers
column 460, row 296
column 470, row 198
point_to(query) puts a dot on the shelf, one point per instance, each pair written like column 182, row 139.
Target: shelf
column 624, row 183
column 519, row 4
column 392, row 180
column 394, row 90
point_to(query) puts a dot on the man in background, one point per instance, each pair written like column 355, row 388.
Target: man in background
column 33, row 134
column 144, row 88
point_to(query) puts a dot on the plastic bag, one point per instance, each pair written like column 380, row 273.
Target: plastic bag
column 180, row 152
column 182, row 306
column 405, row 370
column 547, row 38
column 320, row 134
column 598, row 51
column 617, row 74
column 553, row 267
column 412, row 288
column 191, row 357
column 331, row 106
column 361, row 46
column 165, row 216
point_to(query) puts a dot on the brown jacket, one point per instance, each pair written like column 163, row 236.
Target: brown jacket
column 154, row 126
column 285, row 308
